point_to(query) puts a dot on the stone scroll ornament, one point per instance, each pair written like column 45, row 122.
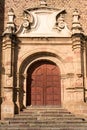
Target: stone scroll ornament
column 60, row 23
column 43, row 21
column 27, row 21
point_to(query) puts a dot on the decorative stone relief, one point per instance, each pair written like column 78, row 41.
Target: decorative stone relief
column 76, row 26
column 10, row 28
column 60, row 24
column 44, row 22
column 79, row 82
column 26, row 23
column 9, row 81
column 43, row 3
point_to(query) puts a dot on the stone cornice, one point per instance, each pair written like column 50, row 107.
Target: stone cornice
column 45, row 41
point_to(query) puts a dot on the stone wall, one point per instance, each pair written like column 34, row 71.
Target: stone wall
column 69, row 5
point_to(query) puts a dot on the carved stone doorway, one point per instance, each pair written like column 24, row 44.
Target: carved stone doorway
column 43, row 84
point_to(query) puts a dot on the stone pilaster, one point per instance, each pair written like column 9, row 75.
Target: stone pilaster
column 85, row 70
column 25, row 91
column 17, row 104
column 77, row 46
column 7, row 107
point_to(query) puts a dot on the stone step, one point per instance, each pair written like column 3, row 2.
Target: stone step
column 40, row 112
column 44, row 118
column 43, row 128
column 46, row 127
column 45, row 124
column 46, row 121
column 48, row 114
column 49, row 122
column 21, row 128
column 45, row 108
column 48, row 118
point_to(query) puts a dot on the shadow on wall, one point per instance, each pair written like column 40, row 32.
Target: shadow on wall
column 2, row 4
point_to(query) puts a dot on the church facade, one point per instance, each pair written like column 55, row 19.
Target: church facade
column 43, row 62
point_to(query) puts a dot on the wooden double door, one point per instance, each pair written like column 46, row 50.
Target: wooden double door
column 43, row 84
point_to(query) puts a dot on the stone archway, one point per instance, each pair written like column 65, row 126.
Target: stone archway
column 27, row 62
column 43, row 84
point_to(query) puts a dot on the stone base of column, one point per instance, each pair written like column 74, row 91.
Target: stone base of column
column 78, row 108
column 17, row 108
column 7, row 110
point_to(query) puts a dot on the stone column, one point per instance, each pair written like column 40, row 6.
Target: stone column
column 22, row 91
column 17, row 104
column 25, row 91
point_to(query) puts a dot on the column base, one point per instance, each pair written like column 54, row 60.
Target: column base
column 7, row 110
column 78, row 108
column 17, row 108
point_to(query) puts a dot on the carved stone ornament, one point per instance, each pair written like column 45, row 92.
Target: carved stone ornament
column 10, row 28
column 43, row 21
column 26, row 22
column 43, row 3
column 60, row 24
column 76, row 26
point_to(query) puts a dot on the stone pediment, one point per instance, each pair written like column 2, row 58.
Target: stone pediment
column 44, row 22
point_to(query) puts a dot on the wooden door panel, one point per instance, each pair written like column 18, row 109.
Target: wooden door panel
column 37, row 96
column 53, row 96
column 45, row 84
column 49, row 78
column 49, row 84
column 55, row 78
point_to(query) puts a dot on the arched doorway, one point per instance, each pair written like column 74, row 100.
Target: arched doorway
column 43, row 84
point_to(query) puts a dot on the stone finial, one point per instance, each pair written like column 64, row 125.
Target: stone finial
column 76, row 16
column 10, row 28
column 76, row 26
column 11, row 15
column 43, row 3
